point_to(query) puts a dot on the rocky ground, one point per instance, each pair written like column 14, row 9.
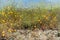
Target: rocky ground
column 34, row 35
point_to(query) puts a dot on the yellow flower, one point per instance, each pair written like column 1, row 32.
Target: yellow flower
column 51, row 21
column 11, row 12
column 8, row 12
column 15, row 15
column 39, row 20
column 11, row 24
column 54, row 19
column 51, row 24
column 21, row 17
column 9, row 30
column 8, row 8
column 3, row 33
column 48, row 15
column 3, row 20
column 0, row 12
column 3, row 13
column 44, row 16
column 35, row 26
column 15, row 30
column 10, row 20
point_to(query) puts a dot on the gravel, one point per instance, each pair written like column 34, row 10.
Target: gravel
column 34, row 35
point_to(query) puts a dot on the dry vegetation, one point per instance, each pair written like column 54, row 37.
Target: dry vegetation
column 11, row 17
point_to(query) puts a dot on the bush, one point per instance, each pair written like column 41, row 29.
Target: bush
column 12, row 17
